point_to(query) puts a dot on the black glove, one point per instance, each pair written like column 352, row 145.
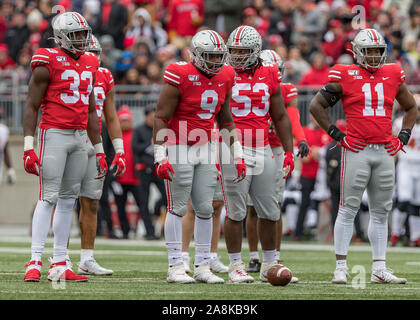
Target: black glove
column 404, row 136
column 303, row 149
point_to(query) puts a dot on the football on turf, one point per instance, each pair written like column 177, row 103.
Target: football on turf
column 279, row 275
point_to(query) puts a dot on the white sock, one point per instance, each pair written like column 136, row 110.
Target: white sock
column 86, row 254
column 253, row 255
column 213, row 255
column 341, row 264
column 398, row 218
column 235, row 257
column 378, row 234
column 203, row 229
column 269, row 256
column 277, row 255
column 40, row 226
column 173, row 238
column 343, row 230
column 185, row 254
column 61, row 226
column 378, row 265
column 414, row 223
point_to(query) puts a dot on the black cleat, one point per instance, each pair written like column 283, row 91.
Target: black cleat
column 254, row 266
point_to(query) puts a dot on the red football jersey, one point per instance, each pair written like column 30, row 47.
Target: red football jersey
column 103, row 84
column 250, row 104
column 288, row 92
column 66, row 101
column 368, row 99
column 201, row 99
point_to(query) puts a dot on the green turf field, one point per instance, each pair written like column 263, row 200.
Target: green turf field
column 140, row 274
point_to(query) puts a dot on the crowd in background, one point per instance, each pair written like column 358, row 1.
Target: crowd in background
column 139, row 38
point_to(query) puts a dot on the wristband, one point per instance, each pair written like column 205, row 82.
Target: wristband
column 28, row 143
column 99, row 148
column 159, row 152
column 336, row 133
column 236, row 150
column 118, row 145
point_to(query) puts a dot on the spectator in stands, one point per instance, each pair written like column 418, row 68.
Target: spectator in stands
column 223, row 16
column 144, row 164
column 333, row 42
column 17, row 34
column 307, row 20
column 112, row 20
column 110, row 55
column 143, row 29
column 281, row 19
column 184, row 18
column 125, row 63
column 318, row 74
column 251, row 18
column 6, row 62
column 128, row 181
column 298, row 66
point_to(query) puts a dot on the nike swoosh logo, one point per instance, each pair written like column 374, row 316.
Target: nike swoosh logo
column 87, row 67
column 221, row 84
column 260, row 78
column 84, row 270
column 385, row 78
column 99, row 83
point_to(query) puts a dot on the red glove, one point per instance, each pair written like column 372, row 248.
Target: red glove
column 352, row 144
column 101, row 165
column 288, row 164
column 164, row 170
column 30, row 162
column 241, row 169
column 394, row 146
column 119, row 162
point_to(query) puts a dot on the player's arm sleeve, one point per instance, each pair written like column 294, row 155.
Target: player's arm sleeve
column 110, row 81
column 297, row 129
column 401, row 75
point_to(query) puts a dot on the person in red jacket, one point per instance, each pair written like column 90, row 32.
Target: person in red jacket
column 129, row 182
column 318, row 74
column 185, row 17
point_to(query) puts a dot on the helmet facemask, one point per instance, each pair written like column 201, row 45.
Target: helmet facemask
column 242, row 61
column 370, row 62
column 210, row 62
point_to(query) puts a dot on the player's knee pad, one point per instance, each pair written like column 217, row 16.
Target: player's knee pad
column 346, row 215
column 413, row 210
column 386, row 180
column 378, row 217
column 204, row 211
column 66, row 204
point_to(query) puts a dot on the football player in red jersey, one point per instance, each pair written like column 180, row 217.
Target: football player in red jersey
column 195, row 94
column 256, row 97
column 61, row 85
column 91, row 188
column 367, row 90
column 290, row 94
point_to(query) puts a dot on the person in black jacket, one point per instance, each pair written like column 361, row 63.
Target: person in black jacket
column 144, row 162
column 112, row 20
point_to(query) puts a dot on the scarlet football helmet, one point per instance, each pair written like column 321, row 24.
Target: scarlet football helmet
column 364, row 40
column 270, row 56
column 66, row 27
column 244, row 37
column 204, row 46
